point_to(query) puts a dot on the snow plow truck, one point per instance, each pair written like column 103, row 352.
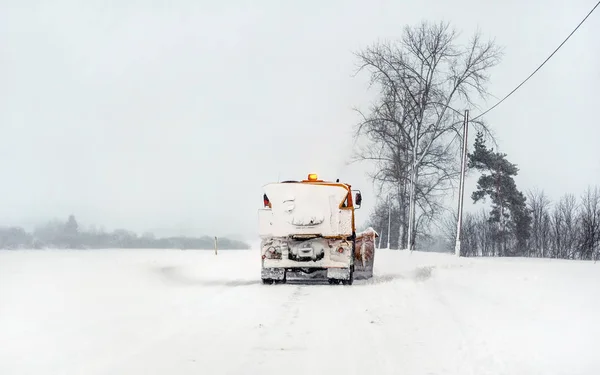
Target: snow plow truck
column 307, row 230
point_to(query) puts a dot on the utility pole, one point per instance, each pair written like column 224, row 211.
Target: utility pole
column 461, row 187
column 389, row 221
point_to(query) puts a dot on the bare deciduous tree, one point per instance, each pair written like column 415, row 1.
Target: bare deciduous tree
column 565, row 231
column 412, row 131
column 590, row 224
column 539, row 204
column 477, row 236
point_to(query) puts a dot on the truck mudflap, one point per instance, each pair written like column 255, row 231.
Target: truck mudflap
column 364, row 254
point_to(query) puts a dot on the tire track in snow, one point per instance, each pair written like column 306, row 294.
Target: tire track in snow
column 275, row 337
column 285, row 318
column 270, row 316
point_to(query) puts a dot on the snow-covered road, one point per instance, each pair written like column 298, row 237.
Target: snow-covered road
column 190, row 312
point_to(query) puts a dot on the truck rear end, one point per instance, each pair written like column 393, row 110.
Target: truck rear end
column 307, row 227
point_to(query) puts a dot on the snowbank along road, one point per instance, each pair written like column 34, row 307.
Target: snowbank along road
column 191, row 312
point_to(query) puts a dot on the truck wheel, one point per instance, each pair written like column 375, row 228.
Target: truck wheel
column 267, row 281
column 350, row 280
column 284, row 280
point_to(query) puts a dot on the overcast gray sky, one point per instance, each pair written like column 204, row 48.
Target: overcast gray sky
column 170, row 116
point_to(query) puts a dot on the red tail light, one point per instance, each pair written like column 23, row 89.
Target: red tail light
column 273, row 253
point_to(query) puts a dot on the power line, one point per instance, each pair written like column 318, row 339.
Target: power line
column 539, row 67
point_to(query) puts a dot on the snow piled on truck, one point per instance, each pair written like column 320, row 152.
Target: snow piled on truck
column 299, row 208
column 150, row 312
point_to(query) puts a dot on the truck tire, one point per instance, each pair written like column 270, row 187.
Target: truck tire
column 284, row 280
column 267, row 281
column 350, row 281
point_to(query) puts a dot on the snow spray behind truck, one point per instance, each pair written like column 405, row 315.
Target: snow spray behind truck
column 308, row 227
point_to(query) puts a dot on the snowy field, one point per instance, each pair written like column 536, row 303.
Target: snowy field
column 190, row 312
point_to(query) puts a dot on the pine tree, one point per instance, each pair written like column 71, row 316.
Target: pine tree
column 509, row 210
column 71, row 233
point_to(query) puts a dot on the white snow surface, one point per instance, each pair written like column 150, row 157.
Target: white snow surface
column 193, row 312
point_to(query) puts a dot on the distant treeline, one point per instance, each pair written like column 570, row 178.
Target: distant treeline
column 68, row 235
